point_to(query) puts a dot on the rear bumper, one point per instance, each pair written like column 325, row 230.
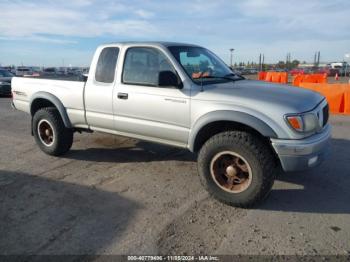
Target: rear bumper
column 297, row 155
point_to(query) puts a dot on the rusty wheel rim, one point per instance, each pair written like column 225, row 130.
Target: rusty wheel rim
column 231, row 172
column 46, row 132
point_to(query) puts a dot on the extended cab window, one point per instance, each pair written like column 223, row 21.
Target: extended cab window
column 105, row 69
column 143, row 64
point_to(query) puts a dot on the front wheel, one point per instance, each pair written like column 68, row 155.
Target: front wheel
column 237, row 168
column 50, row 133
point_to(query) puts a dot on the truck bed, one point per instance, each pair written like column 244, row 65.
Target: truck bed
column 70, row 93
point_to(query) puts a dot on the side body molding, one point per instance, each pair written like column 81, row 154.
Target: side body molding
column 234, row 116
column 54, row 100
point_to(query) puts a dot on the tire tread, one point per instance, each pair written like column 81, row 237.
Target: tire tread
column 64, row 135
column 257, row 147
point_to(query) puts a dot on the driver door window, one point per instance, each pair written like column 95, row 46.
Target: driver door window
column 142, row 66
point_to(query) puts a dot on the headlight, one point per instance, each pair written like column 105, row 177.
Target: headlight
column 307, row 122
column 2, row 83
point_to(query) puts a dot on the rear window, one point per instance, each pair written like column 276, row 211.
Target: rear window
column 105, row 69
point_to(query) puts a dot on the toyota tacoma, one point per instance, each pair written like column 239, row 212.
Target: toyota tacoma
column 242, row 131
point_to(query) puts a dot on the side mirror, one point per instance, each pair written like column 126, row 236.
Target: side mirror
column 168, row 78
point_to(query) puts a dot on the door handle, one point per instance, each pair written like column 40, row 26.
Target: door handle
column 123, row 95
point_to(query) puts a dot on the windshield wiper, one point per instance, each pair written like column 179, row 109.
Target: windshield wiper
column 227, row 77
column 239, row 77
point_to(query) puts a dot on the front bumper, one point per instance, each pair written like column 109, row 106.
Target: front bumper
column 297, row 155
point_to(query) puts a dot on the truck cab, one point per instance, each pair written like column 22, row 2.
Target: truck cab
column 122, row 76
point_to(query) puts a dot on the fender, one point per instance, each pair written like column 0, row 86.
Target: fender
column 54, row 100
column 234, row 116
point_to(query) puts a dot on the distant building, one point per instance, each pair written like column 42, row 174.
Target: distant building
column 334, row 65
column 310, row 65
column 338, row 65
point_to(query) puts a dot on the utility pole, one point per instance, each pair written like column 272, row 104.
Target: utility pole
column 231, row 53
column 288, row 61
column 346, row 57
column 263, row 61
column 315, row 59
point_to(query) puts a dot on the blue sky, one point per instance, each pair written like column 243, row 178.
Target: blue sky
column 53, row 32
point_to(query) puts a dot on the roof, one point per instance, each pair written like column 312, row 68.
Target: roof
column 157, row 43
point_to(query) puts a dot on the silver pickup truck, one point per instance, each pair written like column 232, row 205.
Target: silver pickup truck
column 183, row 95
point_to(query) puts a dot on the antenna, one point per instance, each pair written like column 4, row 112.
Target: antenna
column 200, row 76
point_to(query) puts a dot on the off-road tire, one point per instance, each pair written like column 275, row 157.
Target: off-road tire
column 257, row 154
column 63, row 137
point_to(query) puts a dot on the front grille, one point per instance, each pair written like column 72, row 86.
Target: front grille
column 325, row 112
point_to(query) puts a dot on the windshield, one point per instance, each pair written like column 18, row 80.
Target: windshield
column 4, row 73
column 201, row 65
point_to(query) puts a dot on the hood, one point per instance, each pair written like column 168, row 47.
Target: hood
column 263, row 95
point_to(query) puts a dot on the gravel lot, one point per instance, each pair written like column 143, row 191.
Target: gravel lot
column 114, row 195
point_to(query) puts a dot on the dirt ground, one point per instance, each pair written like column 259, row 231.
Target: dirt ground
column 114, row 195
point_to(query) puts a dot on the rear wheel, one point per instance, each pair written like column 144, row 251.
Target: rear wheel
column 50, row 133
column 237, row 168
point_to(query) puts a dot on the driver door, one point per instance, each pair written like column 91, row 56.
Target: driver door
column 144, row 109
